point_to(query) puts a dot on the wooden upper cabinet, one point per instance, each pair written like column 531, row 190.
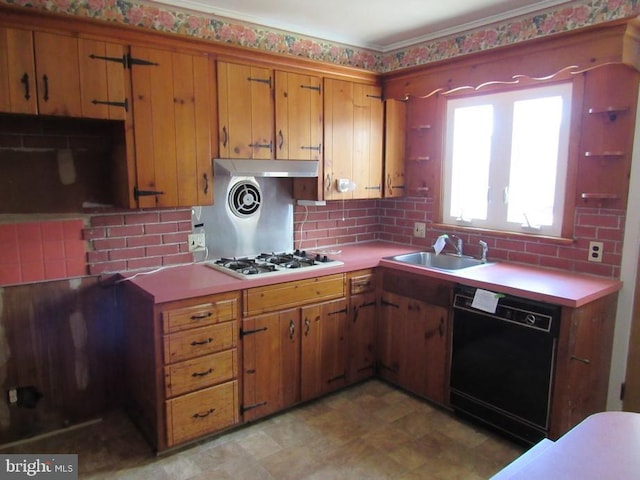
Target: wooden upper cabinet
column 172, row 127
column 51, row 74
column 103, row 79
column 353, row 140
column 58, row 75
column 298, row 109
column 394, row 148
column 17, row 72
column 245, row 111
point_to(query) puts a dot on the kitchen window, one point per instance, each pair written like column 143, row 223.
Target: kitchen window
column 506, row 159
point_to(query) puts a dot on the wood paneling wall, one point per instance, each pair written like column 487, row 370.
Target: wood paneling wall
column 63, row 338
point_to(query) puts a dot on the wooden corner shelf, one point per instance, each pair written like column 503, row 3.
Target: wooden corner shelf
column 611, row 111
column 599, row 196
column 607, row 154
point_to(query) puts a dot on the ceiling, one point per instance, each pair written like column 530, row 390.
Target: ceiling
column 381, row 25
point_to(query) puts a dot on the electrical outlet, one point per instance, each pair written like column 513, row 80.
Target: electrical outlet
column 419, row 229
column 596, row 249
column 196, row 242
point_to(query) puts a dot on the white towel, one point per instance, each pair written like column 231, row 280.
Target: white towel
column 440, row 243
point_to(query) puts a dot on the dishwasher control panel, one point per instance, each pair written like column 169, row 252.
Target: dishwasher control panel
column 527, row 313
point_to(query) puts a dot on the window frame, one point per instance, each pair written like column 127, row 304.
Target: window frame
column 568, row 217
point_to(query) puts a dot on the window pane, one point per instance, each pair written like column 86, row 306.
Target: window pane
column 471, row 154
column 534, row 159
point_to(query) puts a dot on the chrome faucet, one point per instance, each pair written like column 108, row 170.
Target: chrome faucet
column 485, row 249
column 457, row 245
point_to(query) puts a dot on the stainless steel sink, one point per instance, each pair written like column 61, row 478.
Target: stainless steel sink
column 440, row 262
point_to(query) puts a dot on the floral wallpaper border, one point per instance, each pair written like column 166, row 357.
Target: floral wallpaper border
column 163, row 18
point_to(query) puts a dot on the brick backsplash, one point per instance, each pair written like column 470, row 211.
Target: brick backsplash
column 600, row 224
column 137, row 240
column 336, row 223
column 126, row 241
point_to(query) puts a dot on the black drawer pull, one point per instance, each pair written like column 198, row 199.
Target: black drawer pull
column 203, row 342
column 202, row 374
column 205, row 414
column 201, row 316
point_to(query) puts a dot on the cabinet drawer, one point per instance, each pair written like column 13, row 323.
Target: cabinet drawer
column 362, row 283
column 201, row 372
column 179, row 319
column 202, row 412
column 293, row 294
column 199, row 341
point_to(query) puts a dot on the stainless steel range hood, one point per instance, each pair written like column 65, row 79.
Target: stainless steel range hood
column 267, row 168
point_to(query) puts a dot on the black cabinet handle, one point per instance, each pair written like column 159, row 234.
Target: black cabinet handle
column 206, row 183
column 586, row 361
column 201, row 316
column 280, row 139
column 202, row 374
column 205, row 414
column 225, row 136
column 292, row 329
column 202, row 342
column 25, row 81
column 45, row 96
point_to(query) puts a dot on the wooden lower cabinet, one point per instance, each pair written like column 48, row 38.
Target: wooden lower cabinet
column 413, row 334
column 413, row 345
column 199, row 413
column 363, row 312
column 293, row 354
column 181, row 364
column 271, row 363
column 583, row 363
column 324, row 348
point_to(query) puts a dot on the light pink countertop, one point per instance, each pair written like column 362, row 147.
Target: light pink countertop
column 561, row 288
column 603, row 446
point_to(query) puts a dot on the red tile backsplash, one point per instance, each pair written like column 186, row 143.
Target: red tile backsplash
column 37, row 251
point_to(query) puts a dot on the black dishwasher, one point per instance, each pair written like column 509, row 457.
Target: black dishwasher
column 502, row 362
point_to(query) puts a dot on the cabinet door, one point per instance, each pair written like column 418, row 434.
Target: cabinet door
column 245, row 111
column 362, row 336
column 424, row 367
column 102, row 80
column 324, row 348
column 338, row 136
column 17, row 72
column 584, row 360
column 271, row 354
column 413, row 345
column 368, row 131
column 353, row 140
column 394, row 149
column 58, row 75
column 298, row 108
column 390, row 336
column 171, row 115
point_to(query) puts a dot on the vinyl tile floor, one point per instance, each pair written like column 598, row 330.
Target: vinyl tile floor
column 369, row 431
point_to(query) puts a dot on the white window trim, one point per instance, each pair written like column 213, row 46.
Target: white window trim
column 565, row 90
